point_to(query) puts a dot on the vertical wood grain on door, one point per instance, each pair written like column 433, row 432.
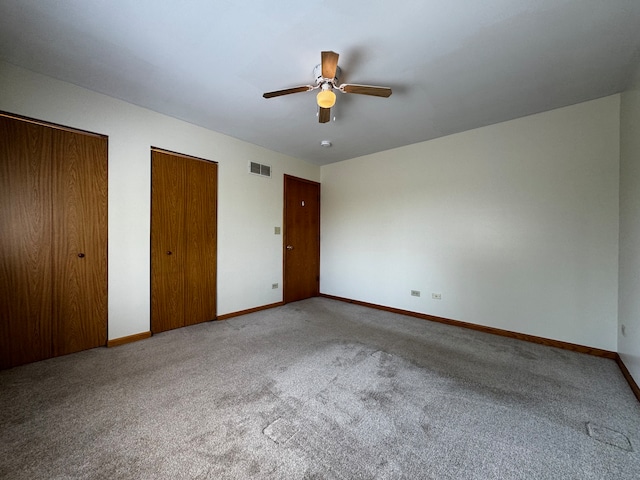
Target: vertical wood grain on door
column 25, row 242
column 79, row 216
column 302, row 239
column 200, row 238
column 53, row 240
column 167, row 241
column 183, row 240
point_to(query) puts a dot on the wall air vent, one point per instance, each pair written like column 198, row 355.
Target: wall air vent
column 259, row 169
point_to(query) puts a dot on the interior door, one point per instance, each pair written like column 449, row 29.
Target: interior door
column 25, row 242
column 79, row 217
column 183, row 240
column 167, row 241
column 301, row 239
column 201, row 241
column 53, row 241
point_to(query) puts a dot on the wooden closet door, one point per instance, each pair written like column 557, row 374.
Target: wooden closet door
column 25, row 242
column 200, row 233
column 80, row 241
column 167, row 241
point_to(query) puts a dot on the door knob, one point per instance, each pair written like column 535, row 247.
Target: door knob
column 81, row 255
column 289, row 247
column 169, row 252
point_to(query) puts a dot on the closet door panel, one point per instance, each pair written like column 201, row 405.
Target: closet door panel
column 167, row 241
column 80, row 241
column 200, row 234
column 25, row 242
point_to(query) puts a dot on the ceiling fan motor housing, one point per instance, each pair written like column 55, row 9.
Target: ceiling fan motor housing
column 320, row 80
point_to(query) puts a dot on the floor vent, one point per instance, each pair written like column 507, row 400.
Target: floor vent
column 259, row 169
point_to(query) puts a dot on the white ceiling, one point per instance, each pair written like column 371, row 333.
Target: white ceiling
column 453, row 65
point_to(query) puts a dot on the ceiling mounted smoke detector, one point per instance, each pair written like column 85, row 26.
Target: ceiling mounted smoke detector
column 325, row 143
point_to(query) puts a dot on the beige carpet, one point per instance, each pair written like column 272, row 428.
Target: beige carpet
column 320, row 389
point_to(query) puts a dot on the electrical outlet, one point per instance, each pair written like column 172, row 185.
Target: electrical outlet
column 415, row 293
column 436, row 296
column 274, row 286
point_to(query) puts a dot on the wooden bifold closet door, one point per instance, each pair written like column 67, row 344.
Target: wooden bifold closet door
column 79, row 217
column 183, row 240
column 53, row 241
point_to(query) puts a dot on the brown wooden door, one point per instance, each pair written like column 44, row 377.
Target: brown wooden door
column 183, row 240
column 53, row 241
column 79, row 217
column 201, row 236
column 25, row 242
column 167, row 241
column 301, row 239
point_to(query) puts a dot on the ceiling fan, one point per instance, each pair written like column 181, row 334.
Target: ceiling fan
column 327, row 74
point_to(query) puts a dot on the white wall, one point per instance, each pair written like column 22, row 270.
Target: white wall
column 249, row 254
column 629, row 299
column 515, row 224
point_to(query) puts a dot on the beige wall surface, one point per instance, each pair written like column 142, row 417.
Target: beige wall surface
column 629, row 299
column 514, row 224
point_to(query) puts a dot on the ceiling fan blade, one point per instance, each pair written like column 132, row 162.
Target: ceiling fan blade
column 325, row 115
column 288, row 91
column 366, row 90
column 329, row 64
